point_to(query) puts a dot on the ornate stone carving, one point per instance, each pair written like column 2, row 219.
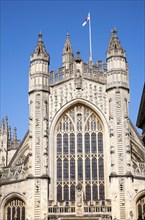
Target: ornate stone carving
column 78, row 80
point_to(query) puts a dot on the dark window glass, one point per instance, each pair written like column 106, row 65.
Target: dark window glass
column 101, row 191
column 101, row 168
column 72, row 169
column 65, row 169
column 72, row 144
column 79, row 143
column 59, row 169
column 65, row 143
column 87, row 168
column 139, row 212
column 94, row 168
column 95, row 192
column 23, row 213
column 80, row 169
column 8, row 213
column 66, row 193
column 87, row 143
column 18, row 213
column 59, row 144
column 59, row 193
column 93, row 142
column 72, row 193
column 100, row 142
column 88, row 192
column 13, row 212
column 79, row 122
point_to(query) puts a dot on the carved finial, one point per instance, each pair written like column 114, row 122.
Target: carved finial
column 114, row 31
column 40, row 36
column 78, row 54
column 9, row 133
column 78, row 58
column 15, row 134
column 67, row 35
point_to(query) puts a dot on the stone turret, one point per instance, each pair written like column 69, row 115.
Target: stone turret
column 67, row 54
column 38, row 129
column 116, row 63
column 117, row 89
column 39, row 67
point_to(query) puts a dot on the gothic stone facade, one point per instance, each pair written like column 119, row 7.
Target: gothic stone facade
column 82, row 157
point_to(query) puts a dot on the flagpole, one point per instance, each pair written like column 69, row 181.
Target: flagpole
column 90, row 38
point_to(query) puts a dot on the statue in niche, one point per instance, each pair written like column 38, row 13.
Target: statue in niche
column 37, row 122
column 37, row 140
column 79, row 195
column 130, row 215
column 78, row 80
column 118, row 104
column 31, row 110
column 45, row 110
column 110, row 109
column 125, row 108
column 37, row 104
column 37, row 185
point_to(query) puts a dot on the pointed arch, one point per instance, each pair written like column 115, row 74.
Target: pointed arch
column 101, row 126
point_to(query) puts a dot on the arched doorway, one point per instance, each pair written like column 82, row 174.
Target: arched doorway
column 14, row 209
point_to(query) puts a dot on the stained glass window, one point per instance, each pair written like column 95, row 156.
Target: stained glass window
column 72, row 168
column 100, row 143
column 101, row 168
column 88, row 192
column 65, row 169
column 72, row 143
column 59, row 143
column 87, row 168
column 101, row 191
column 59, row 193
column 79, row 143
column 80, row 169
column 87, row 143
column 59, row 169
column 65, row 143
column 93, row 142
column 72, row 193
column 94, row 168
column 15, row 209
column 66, row 193
column 79, row 150
column 95, row 192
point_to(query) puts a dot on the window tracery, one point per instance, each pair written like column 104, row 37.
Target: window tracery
column 15, row 209
column 79, row 154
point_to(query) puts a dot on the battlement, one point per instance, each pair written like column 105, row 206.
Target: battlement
column 96, row 72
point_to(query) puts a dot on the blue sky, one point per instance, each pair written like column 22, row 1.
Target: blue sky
column 21, row 21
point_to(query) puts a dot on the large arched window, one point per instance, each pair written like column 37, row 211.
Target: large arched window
column 79, row 154
column 14, row 209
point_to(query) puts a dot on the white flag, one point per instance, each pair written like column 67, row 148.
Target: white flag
column 87, row 19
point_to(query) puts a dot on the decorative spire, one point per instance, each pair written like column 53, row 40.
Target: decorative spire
column 67, row 46
column 67, row 54
column 40, row 51
column 115, row 48
column 15, row 134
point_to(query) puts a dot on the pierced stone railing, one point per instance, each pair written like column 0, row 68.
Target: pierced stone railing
column 100, row 207
column 17, row 172
column 139, row 170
